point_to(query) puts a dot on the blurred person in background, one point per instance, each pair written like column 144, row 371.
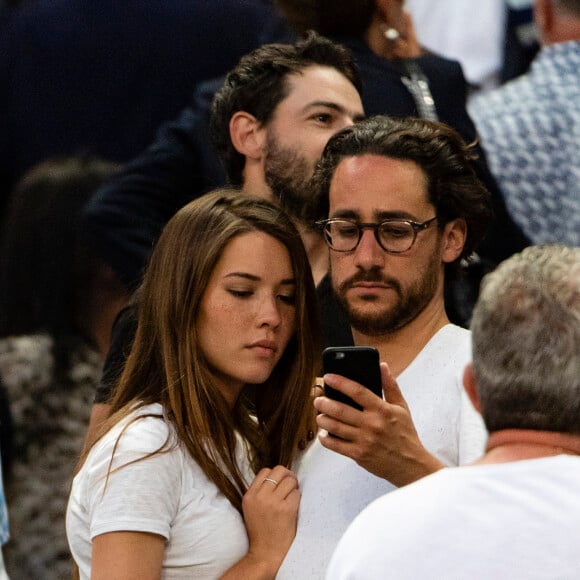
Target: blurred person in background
column 530, row 130
column 4, row 529
column 58, row 302
column 493, row 47
column 81, row 77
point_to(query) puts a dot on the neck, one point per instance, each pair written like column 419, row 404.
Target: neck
column 563, row 28
column 316, row 249
column 255, row 183
column 518, row 444
column 400, row 347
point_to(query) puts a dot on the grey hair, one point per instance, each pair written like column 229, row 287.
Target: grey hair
column 526, row 341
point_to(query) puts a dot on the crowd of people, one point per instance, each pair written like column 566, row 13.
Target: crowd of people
column 186, row 222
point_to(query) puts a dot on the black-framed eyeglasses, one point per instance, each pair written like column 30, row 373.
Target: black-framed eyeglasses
column 393, row 235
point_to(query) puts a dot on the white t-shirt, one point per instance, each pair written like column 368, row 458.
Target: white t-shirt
column 166, row 494
column 517, row 520
column 335, row 489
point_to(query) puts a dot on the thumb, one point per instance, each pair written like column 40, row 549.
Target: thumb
column 391, row 389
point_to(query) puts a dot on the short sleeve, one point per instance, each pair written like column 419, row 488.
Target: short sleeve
column 140, row 493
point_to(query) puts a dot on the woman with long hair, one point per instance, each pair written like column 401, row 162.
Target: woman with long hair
column 191, row 476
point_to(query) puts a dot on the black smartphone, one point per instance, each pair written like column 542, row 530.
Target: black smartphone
column 358, row 363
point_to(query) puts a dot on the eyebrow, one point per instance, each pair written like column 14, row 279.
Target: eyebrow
column 335, row 106
column 252, row 278
column 377, row 215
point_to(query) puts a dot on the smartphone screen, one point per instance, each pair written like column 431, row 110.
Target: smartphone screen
column 358, row 363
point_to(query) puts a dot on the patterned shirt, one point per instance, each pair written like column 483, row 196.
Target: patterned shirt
column 4, row 532
column 530, row 131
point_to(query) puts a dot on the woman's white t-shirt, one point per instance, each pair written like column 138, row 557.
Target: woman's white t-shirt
column 166, row 494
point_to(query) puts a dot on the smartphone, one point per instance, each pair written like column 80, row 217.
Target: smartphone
column 358, row 363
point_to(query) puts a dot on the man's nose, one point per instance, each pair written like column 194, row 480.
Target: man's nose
column 368, row 255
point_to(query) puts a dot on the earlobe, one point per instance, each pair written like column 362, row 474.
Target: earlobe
column 247, row 135
column 454, row 236
column 470, row 386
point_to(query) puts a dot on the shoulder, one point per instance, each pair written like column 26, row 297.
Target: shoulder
column 140, row 451
column 451, row 342
column 143, row 431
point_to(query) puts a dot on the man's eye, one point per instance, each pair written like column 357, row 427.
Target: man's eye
column 391, row 231
column 324, row 118
column 347, row 231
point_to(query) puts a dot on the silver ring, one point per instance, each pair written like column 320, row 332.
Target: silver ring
column 271, row 481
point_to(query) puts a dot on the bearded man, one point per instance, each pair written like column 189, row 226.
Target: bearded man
column 402, row 205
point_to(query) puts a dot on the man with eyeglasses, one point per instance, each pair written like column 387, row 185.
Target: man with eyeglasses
column 401, row 205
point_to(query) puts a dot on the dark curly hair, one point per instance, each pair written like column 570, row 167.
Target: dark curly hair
column 259, row 83
column 447, row 161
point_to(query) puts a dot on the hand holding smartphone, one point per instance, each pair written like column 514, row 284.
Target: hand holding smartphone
column 357, row 363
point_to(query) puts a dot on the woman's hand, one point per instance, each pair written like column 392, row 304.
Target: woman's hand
column 401, row 40
column 270, row 508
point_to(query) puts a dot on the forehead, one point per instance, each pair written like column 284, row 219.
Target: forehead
column 373, row 186
column 320, row 84
column 257, row 253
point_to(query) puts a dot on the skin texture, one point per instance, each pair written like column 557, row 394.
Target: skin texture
column 395, row 303
column 247, row 313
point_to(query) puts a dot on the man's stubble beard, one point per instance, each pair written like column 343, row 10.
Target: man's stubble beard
column 288, row 174
column 408, row 305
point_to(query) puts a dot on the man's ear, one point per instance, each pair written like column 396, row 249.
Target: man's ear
column 247, row 135
column 470, row 386
column 454, row 235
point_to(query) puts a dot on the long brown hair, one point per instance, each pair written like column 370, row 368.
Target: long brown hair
column 167, row 366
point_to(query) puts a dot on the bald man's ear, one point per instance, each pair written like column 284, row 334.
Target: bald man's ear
column 247, row 135
column 470, row 386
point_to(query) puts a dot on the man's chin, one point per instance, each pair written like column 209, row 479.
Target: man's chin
column 372, row 322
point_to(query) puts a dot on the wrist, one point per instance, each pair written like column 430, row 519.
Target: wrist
column 265, row 566
column 417, row 466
